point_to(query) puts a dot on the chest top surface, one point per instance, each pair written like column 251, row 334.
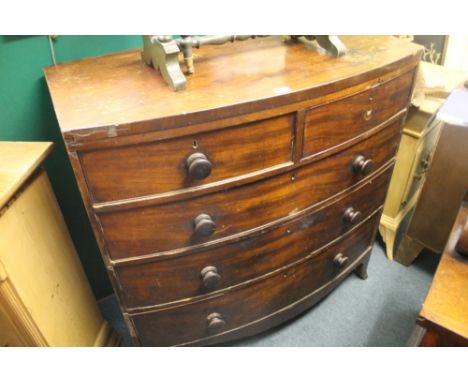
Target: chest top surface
column 118, row 90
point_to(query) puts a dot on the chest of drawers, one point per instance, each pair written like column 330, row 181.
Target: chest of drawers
column 229, row 207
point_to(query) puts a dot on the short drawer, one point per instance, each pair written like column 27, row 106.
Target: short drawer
column 340, row 121
column 231, row 310
column 174, row 164
column 204, row 219
column 171, row 278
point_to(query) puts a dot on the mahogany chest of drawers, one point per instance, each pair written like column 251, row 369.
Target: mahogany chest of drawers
column 229, row 207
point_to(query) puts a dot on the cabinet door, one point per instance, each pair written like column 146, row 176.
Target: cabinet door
column 421, row 163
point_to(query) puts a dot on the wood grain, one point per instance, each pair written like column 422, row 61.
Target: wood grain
column 103, row 102
column 156, row 167
column 278, row 214
column 337, row 122
column 171, row 278
column 188, row 322
column 155, row 229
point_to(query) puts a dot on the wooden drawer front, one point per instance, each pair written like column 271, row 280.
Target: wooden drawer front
column 174, row 278
column 154, row 229
column 337, row 122
column 189, row 322
column 159, row 167
column 421, row 163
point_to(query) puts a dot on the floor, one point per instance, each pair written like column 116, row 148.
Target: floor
column 379, row 311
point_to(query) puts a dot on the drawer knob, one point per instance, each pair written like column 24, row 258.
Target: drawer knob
column 352, row 216
column 198, row 166
column 215, row 322
column 210, row 277
column 340, row 260
column 204, row 225
column 362, row 165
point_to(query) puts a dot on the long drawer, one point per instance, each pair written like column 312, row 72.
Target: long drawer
column 231, row 310
column 172, row 278
column 337, row 122
column 189, row 161
column 201, row 220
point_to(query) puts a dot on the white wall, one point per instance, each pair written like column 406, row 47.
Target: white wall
column 456, row 55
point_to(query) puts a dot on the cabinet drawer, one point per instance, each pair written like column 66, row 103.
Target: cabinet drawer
column 154, row 229
column 158, row 167
column 195, row 321
column 337, row 122
column 172, row 278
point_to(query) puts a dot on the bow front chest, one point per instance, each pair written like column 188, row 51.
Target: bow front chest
column 229, row 207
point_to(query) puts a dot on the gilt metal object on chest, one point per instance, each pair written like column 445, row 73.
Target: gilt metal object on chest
column 162, row 52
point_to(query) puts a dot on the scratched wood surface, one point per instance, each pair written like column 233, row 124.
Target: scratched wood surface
column 171, row 278
column 120, row 92
column 283, row 174
column 189, row 322
column 350, row 117
column 157, row 167
column 143, row 231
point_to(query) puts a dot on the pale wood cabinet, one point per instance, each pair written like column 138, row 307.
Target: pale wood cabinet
column 419, row 141
column 414, row 154
column 45, row 298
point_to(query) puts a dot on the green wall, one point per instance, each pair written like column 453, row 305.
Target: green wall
column 26, row 114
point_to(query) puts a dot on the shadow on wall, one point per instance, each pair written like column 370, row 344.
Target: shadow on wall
column 26, row 114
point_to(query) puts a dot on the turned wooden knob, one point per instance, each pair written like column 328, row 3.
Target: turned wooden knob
column 215, row 322
column 210, row 277
column 352, row 216
column 362, row 165
column 198, row 166
column 340, row 260
column 204, row 225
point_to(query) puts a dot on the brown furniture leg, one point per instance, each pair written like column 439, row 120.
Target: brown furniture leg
column 361, row 269
column 408, row 250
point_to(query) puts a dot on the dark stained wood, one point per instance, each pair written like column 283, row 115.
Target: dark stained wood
column 289, row 284
column 337, row 122
column 191, row 192
column 274, row 229
column 284, row 314
column 157, row 167
column 155, row 229
column 233, row 79
column 171, row 278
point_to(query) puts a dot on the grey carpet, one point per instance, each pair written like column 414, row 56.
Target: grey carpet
column 379, row 311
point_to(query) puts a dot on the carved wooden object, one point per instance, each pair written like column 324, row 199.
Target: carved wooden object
column 162, row 52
